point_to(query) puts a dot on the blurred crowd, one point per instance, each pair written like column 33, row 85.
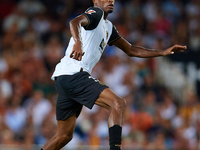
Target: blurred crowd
column 33, row 37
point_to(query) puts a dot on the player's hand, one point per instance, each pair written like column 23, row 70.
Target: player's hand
column 77, row 51
column 173, row 49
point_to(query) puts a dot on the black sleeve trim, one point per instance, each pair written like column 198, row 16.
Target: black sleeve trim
column 114, row 36
column 88, row 21
column 94, row 15
column 113, row 41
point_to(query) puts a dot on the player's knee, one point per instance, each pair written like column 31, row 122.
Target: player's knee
column 119, row 105
column 65, row 138
column 69, row 138
column 123, row 104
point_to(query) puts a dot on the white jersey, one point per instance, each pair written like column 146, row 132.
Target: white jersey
column 95, row 36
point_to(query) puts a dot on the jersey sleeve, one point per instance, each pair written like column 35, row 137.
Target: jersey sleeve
column 114, row 36
column 93, row 14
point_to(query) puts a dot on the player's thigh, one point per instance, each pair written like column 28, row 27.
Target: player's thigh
column 67, row 126
column 109, row 99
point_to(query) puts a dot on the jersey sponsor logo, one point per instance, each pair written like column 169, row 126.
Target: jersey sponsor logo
column 102, row 44
column 90, row 12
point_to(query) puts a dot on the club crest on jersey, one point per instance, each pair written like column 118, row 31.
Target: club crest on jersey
column 90, row 12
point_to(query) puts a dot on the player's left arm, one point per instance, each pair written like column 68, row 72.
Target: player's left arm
column 138, row 51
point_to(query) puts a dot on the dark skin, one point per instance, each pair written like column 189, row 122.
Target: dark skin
column 129, row 49
column 107, row 99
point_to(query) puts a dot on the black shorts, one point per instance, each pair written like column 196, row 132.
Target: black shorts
column 74, row 91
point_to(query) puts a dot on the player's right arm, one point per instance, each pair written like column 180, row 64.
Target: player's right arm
column 75, row 29
column 89, row 20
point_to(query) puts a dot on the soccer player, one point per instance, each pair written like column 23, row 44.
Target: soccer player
column 91, row 31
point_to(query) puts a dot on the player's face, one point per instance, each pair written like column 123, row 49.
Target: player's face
column 106, row 5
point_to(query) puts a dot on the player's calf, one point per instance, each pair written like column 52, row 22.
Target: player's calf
column 116, row 112
column 64, row 139
column 115, row 131
column 116, row 106
column 58, row 141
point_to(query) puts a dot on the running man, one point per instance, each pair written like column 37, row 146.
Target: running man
column 91, row 32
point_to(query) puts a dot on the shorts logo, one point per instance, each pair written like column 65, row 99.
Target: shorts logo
column 90, row 12
column 96, row 80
